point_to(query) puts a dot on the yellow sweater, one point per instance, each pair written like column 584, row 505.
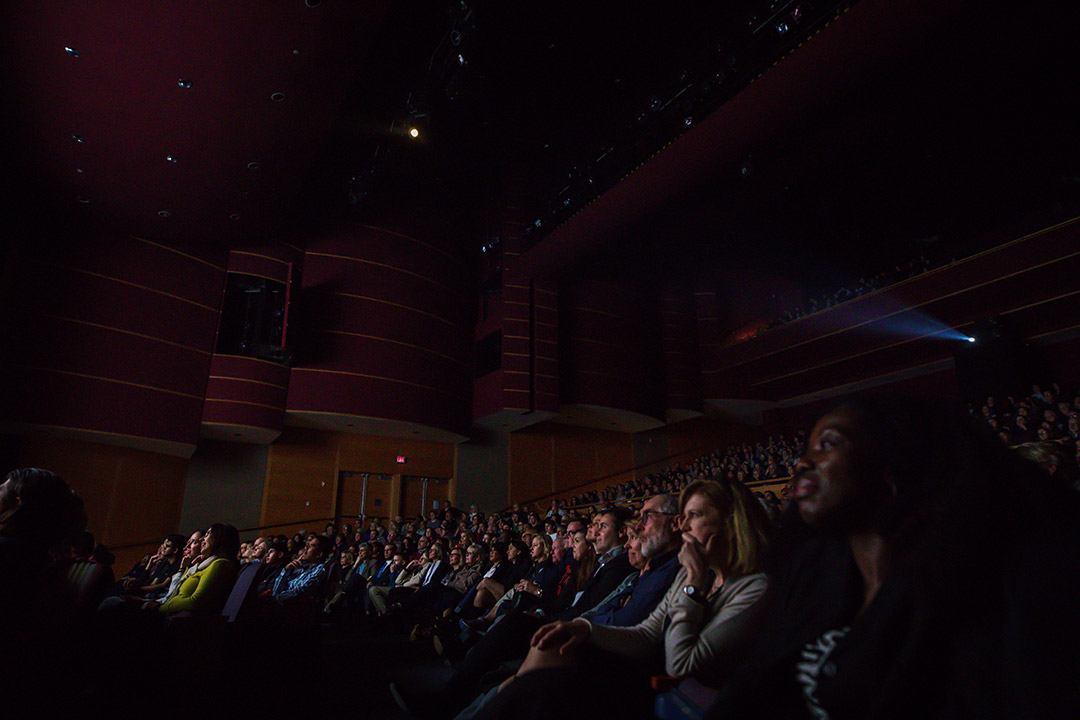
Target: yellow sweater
column 204, row 592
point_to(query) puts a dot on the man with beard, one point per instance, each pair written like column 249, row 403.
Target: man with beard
column 660, row 540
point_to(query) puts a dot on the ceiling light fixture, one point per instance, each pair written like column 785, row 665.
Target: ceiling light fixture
column 78, row 138
column 171, row 158
column 253, row 166
column 414, row 132
column 83, row 199
column 71, row 51
column 164, row 213
column 277, row 97
column 186, row 84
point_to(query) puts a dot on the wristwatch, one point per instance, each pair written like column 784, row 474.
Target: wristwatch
column 695, row 593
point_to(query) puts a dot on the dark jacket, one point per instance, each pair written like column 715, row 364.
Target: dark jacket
column 602, row 582
column 636, row 602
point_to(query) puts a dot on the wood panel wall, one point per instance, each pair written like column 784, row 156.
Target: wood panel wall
column 561, row 460
column 304, row 467
column 132, row 497
column 551, row 458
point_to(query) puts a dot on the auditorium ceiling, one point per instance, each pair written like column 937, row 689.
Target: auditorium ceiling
column 225, row 122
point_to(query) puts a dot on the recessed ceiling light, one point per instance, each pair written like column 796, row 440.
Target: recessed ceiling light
column 164, row 213
column 253, row 166
column 71, row 51
column 186, row 84
column 277, row 97
column 83, row 199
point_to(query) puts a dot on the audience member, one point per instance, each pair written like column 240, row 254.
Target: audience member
column 934, row 577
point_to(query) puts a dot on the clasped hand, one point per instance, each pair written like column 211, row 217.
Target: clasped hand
column 562, row 635
column 696, row 558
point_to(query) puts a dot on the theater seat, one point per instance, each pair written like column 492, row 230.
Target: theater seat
column 688, row 700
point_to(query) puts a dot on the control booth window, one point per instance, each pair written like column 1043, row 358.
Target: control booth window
column 253, row 318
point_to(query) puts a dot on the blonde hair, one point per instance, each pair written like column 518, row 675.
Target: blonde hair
column 546, row 542
column 745, row 523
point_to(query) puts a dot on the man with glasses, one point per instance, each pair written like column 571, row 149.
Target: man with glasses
column 660, row 540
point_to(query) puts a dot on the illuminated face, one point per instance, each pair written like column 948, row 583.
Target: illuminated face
column 608, row 535
column 831, row 479
column 259, row 548
column 656, row 528
column 194, row 545
column 703, row 520
column 312, row 552
column 581, row 546
column 537, row 550
column 633, row 550
column 207, row 546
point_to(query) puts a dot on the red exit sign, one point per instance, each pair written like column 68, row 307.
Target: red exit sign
column 401, row 458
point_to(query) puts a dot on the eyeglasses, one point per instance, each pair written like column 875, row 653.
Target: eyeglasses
column 647, row 515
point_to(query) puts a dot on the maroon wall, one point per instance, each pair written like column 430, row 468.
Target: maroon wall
column 609, row 346
column 1029, row 282
column 113, row 334
column 679, row 339
column 386, row 328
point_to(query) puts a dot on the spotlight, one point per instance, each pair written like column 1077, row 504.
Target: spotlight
column 414, row 132
column 971, row 339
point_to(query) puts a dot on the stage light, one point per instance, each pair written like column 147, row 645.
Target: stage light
column 971, row 339
column 414, row 132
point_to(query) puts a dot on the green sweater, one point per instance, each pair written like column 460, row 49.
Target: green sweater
column 204, row 592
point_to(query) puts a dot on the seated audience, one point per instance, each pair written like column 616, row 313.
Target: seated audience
column 509, row 637
column 658, row 539
column 701, row 626
column 273, row 565
column 203, row 591
column 153, row 573
column 304, row 578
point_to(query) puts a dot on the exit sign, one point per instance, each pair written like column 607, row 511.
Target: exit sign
column 401, row 458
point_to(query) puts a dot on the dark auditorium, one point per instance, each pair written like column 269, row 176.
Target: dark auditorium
column 463, row 359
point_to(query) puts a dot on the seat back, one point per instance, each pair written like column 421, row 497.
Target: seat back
column 241, row 589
